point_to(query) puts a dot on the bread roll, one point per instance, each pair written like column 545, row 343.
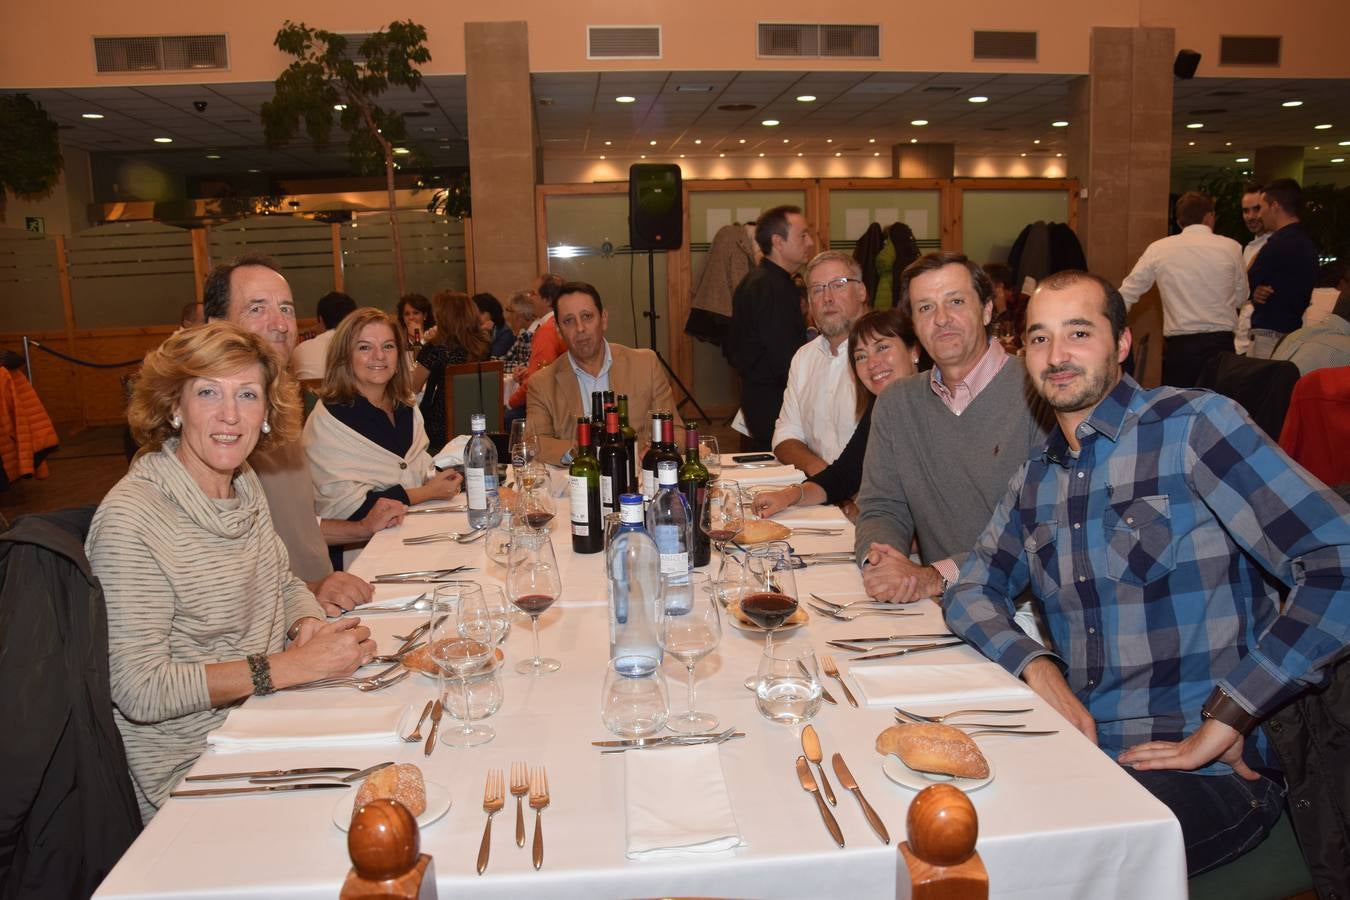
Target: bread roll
column 934, row 748
column 402, row 782
column 759, row 531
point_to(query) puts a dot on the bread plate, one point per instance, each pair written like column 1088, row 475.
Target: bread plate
column 438, row 804
column 896, row 770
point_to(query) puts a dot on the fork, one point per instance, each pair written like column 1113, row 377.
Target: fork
column 420, row 603
column 842, row 606
column 350, row 681
column 827, row 662
column 937, row 720
column 435, row 536
column 520, row 786
column 416, row 736
column 848, row 616
column 494, row 798
column 538, row 801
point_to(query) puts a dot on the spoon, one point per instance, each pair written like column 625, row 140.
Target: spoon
column 811, row 747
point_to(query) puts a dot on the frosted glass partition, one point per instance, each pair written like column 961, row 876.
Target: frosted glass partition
column 433, row 256
column 714, row 380
column 851, row 212
column 30, row 293
column 992, row 220
column 588, row 241
column 130, row 274
column 302, row 247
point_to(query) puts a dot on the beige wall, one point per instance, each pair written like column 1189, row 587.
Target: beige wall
column 590, row 171
column 66, row 209
column 35, row 51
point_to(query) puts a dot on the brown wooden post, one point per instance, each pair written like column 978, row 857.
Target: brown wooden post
column 468, row 256
column 339, row 272
column 68, row 311
column 201, row 261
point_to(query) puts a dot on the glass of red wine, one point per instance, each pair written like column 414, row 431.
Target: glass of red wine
column 770, row 595
column 532, row 585
column 534, row 506
column 722, row 516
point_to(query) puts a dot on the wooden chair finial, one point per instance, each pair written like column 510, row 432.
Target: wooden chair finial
column 939, row 858
column 384, row 845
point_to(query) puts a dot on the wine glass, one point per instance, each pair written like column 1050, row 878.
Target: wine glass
column 524, row 448
column 482, row 693
column 633, row 702
column 770, row 595
column 708, row 455
column 534, row 506
column 463, row 637
column 722, row 515
column 532, row 584
column 689, row 629
column 788, row 686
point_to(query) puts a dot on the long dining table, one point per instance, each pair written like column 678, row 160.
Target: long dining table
column 1058, row 819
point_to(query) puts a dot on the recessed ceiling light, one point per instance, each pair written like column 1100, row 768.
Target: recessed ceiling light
column 1059, row 123
column 401, row 151
column 761, row 156
column 608, row 143
column 742, row 141
column 769, row 123
column 1024, row 154
column 978, row 98
column 871, row 140
column 876, row 154
column 1292, row 103
column 1228, row 143
column 91, row 115
column 919, row 122
column 720, row 155
column 1058, row 155
column 806, row 98
column 254, row 171
column 698, row 140
column 787, row 140
column 839, row 154
column 213, row 156
column 1242, row 159
column 829, row 140
column 681, row 156
column 651, row 143
column 602, row 156
column 1036, row 141
column 1322, row 127
column 1190, row 143
column 1195, row 124
column 1343, row 143
column 1317, row 148
column 624, row 99
column 339, row 106
column 799, row 154
column 913, row 140
column 1338, row 159
column 163, row 140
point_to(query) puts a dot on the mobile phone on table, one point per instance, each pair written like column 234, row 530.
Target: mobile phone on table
column 753, row 457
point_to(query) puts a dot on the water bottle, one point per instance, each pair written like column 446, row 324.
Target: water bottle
column 480, row 473
column 669, row 521
column 633, row 565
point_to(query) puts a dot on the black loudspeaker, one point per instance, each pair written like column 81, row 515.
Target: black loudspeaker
column 1187, row 62
column 655, row 207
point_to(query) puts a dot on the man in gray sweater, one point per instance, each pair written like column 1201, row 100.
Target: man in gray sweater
column 943, row 444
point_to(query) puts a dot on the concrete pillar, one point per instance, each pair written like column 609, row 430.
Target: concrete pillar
column 503, row 163
column 1277, row 162
column 923, row 160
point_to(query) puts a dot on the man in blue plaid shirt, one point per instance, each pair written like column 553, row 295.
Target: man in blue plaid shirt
column 1151, row 527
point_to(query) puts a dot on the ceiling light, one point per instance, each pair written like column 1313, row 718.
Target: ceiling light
column 1317, row 148
column 1024, row 154
column 339, row 106
column 871, row 140
column 1242, row 159
column 806, row 98
column 769, row 123
column 761, row 156
column 602, row 156
column 1195, row 124
column 1338, row 159
column 698, row 140
column 1190, row 143
column 162, row 140
column 799, row 154
column 642, row 156
column 681, row 156
column 91, row 115
column 1322, row 127
column 401, row 151
column 913, row 140
column 1343, row 144
column 1036, row 141
column 608, row 143
column 213, row 156
column 720, row 155
column 1059, row 123
column 786, row 141
column 1058, row 155
column 651, row 143
column 742, row 140
column 919, row 122
column 1290, row 104
column 256, row 171
column 839, row 154
column 977, row 99
column 876, row 154
column 624, row 99
column 1228, row 143
column 829, row 140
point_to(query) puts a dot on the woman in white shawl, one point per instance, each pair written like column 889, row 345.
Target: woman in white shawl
column 365, row 439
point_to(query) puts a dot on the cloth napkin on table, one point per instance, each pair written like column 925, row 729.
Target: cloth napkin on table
column 677, row 803
column 748, row 475
column 452, row 454
column 812, row 517
column 900, row 684
column 247, row 728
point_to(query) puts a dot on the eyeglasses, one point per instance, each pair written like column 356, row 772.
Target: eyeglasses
column 837, row 287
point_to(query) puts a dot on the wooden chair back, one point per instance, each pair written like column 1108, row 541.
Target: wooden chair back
column 385, row 849
column 939, row 861
column 472, row 388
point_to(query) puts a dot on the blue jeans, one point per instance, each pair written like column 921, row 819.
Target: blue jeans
column 1221, row 816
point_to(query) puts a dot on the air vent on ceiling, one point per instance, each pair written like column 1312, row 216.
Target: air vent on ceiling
column 623, row 41
column 1245, row 50
column 1005, row 45
column 354, row 41
column 941, row 89
column 164, row 53
column 820, row 41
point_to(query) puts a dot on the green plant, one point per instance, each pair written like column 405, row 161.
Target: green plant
column 30, row 153
column 327, row 81
column 453, row 200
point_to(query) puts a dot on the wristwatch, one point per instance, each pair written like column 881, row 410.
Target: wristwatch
column 1223, row 708
column 294, row 631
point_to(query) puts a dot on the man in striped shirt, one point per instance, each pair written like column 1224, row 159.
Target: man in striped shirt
column 1152, row 526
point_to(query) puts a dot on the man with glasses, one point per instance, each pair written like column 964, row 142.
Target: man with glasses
column 819, row 411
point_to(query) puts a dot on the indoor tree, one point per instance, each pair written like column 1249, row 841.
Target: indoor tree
column 30, row 153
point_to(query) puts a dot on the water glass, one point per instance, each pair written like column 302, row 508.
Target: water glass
column 788, row 686
column 481, row 691
column 497, row 543
column 463, row 638
column 633, row 702
column 498, row 610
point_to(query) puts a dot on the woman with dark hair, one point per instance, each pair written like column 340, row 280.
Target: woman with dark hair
column 365, row 439
column 415, row 313
column 459, row 339
column 493, row 319
column 884, row 349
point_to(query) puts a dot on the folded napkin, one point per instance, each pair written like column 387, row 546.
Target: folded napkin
column 812, row 517
column 901, row 684
column 779, row 475
column 452, row 454
column 677, row 803
column 247, row 728
column 402, row 599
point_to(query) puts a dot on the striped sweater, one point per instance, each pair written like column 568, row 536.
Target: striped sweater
column 188, row 581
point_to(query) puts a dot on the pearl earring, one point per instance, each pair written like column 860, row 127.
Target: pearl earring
column 266, row 428
column 176, row 422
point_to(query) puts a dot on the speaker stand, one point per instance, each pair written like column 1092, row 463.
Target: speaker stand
column 651, row 322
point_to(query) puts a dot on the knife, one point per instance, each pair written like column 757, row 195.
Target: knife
column 258, row 789
column 824, row 694
column 917, row 648
column 274, row 773
column 434, row 510
column 679, row 742
column 849, row 783
column 935, row 636
column 424, row 573
column 809, row 785
column 670, row 740
column 435, row 727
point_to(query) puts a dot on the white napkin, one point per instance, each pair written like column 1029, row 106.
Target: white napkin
column 900, row 684
column 812, row 517
column 247, row 728
column 385, row 602
column 780, row 475
column 452, row 454
column 677, row 803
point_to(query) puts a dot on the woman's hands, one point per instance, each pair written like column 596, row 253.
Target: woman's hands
column 441, row 486
column 332, row 650
column 766, row 503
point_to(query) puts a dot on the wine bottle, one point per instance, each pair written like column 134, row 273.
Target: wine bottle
column 629, row 442
column 597, row 422
column 613, row 464
column 583, row 482
column 668, row 449
column 649, row 483
column 694, row 482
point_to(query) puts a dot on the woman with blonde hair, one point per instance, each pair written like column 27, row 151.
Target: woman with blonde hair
column 203, row 610
column 458, row 339
column 365, row 439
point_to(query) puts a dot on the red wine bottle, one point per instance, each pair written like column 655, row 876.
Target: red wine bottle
column 694, row 482
column 613, row 464
column 583, row 484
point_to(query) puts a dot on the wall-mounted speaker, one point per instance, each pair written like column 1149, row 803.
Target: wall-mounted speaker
column 1187, row 62
column 655, row 207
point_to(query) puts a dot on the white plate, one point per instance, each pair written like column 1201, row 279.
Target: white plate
column 438, row 804
column 904, row 776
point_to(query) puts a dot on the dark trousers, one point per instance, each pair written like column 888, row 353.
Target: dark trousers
column 1221, row 816
column 1184, row 355
column 761, row 404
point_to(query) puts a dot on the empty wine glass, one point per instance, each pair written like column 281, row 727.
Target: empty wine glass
column 524, row 448
column 690, row 627
column 708, row 455
column 532, row 585
column 463, row 638
column 722, row 515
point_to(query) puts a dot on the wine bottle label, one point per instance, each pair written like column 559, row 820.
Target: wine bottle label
column 606, row 491
column 475, row 485
column 674, row 563
column 581, row 511
column 648, row 484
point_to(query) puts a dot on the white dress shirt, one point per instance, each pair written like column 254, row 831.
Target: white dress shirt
column 309, row 358
column 1200, row 276
column 1253, row 247
column 819, row 406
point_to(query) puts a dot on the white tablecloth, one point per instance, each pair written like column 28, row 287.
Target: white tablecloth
column 1060, row 819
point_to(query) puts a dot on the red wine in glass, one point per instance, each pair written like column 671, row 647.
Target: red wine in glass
column 720, row 536
column 538, row 519
column 768, row 610
column 535, row 604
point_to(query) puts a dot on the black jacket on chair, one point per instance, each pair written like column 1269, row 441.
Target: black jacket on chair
column 67, row 809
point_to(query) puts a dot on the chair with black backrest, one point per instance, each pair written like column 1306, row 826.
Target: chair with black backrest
column 474, row 388
column 1260, row 386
